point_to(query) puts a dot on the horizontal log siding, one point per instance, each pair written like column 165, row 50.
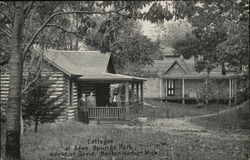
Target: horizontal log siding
column 60, row 86
column 4, row 87
column 72, row 109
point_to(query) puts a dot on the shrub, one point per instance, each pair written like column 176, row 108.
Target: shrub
column 3, row 115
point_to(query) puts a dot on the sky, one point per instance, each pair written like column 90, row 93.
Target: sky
column 147, row 26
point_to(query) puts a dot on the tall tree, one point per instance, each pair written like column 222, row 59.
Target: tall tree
column 15, row 84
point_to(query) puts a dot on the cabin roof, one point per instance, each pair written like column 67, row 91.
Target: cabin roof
column 79, row 62
column 203, row 75
column 109, row 77
column 86, row 65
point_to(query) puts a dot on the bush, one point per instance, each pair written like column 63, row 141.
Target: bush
column 205, row 94
column 38, row 105
column 3, row 115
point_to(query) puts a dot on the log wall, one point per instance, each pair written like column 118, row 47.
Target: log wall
column 72, row 107
column 60, row 86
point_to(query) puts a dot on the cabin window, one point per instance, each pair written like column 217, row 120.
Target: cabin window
column 171, row 86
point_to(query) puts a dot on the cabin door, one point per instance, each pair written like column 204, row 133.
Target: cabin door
column 170, row 87
column 102, row 94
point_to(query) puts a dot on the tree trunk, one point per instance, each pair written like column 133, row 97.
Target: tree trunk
column 21, row 122
column 207, row 87
column 206, row 96
column 16, row 69
column 223, row 69
column 36, row 124
column 76, row 38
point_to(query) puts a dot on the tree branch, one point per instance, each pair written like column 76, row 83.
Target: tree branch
column 28, row 7
column 6, row 33
column 130, row 16
column 45, row 42
column 27, row 69
column 5, row 68
column 3, row 3
column 60, row 13
column 6, row 16
column 2, row 24
column 4, row 60
column 38, row 73
column 7, row 6
column 63, row 29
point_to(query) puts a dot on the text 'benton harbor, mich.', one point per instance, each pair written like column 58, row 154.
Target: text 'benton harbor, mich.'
column 103, row 147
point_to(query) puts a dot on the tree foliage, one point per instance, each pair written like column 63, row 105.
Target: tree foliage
column 40, row 105
column 123, row 38
column 68, row 31
column 3, row 112
column 168, row 33
column 220, row 30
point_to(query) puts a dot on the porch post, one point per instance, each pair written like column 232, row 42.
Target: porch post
column 235, row 91
column 160, row 87
column 163, row 88
column 127, row 99
column 166, row 86
column 183, row 91
column 206, row 81
column 137, row 92
column 133, row 92
column 230, row 92
column 142, row 92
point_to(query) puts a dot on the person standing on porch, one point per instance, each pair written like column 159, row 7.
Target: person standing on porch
column 83, row 105
column 91, row 100
column 118, row 99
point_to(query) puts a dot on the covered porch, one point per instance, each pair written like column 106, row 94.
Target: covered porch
column 119, row 98
column 187, row 87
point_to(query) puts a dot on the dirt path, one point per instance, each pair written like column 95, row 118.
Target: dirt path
column 184, row 126
column 222, row 111
column 185, row 122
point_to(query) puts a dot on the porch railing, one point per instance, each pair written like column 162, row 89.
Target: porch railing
column 107, row 112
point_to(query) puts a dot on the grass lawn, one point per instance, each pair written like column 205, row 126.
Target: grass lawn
column 230, row 122
column 51, row 141
column 177, row 110
column 77, row 141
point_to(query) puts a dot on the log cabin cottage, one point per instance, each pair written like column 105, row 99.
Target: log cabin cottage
column 80, row 72
column 175, row 79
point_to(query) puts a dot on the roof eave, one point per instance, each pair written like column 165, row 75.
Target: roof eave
column 200, row 76
column 57, row 66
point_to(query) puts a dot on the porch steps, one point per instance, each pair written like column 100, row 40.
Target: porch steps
column 135, row 117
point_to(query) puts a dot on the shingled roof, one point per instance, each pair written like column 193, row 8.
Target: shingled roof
column 87, row 65
column 161, row 67
column 78, row 62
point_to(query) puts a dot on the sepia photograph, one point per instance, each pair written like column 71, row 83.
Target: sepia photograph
column 124, row 80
